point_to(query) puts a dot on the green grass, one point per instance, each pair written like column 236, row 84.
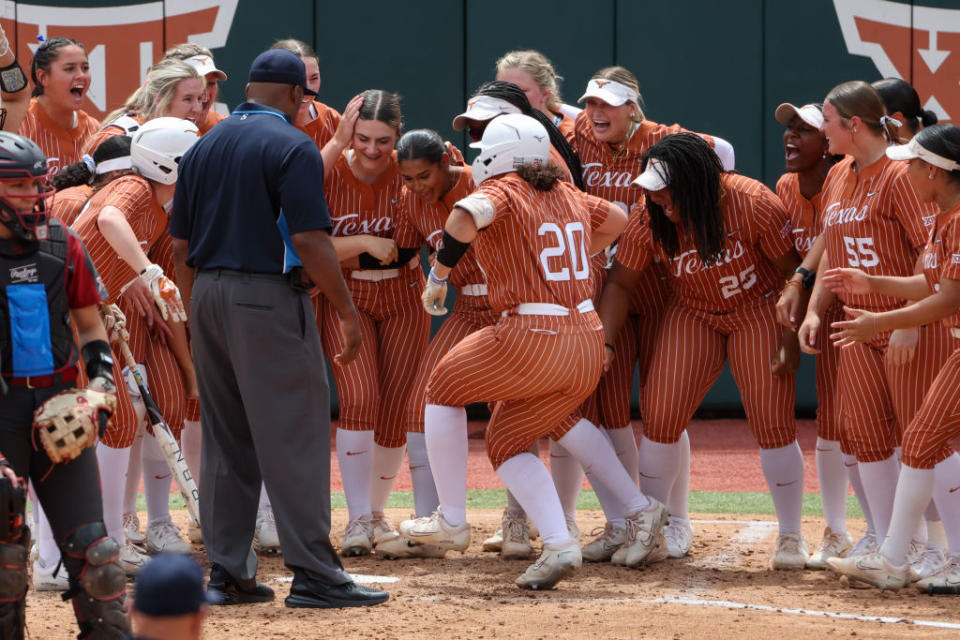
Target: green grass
column 700, row 502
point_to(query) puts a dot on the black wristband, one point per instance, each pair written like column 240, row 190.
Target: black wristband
column 609, row 346
column 97, row 359
column 451, row 250
column 404, row 255
column 12, row 78
column 809, row 277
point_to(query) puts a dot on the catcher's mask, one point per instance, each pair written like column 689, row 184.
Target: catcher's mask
column 24, row 187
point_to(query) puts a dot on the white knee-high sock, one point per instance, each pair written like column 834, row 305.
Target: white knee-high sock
column 596, row 455
column 880, row 485
column 445, row 429
column 659, row 466
column 833, row 484
column 425, row 499
column 783, row 470
column 947, row 495
column 386, row 466
column 680, row 491
column 514, row 508
column 625, row 445
column 914, row 488
column 264, row 504
column 112, row 464
column 191, row 447
column 47, row 547
column 132, row 474
column 567, row 477
column 528, row 479
column 355, row 455
column 157, row 479
column 613, row 510
column 853, row 475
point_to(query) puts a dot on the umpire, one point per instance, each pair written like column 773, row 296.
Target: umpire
column 250, row 227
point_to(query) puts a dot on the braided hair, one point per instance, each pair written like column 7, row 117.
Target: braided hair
column 514, row 95
column 694, row 182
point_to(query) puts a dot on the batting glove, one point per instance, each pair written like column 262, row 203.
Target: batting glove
column 434, row 295
column 165, row 293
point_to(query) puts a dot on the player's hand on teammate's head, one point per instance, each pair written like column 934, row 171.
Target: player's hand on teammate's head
column 847, row 281
column 808, row 334
column 344, row 133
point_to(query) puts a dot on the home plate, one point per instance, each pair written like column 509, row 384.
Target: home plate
column 359, row 578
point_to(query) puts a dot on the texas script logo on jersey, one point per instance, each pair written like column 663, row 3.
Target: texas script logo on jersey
column 122, row 41
column 689, row 262
column 900, row 39
column 351, row 225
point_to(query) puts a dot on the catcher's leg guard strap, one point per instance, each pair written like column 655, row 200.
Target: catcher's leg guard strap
column 102, row 577
column 13, row 590
column 100, row 619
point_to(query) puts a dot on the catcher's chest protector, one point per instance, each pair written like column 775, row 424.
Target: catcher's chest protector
column 36, row 337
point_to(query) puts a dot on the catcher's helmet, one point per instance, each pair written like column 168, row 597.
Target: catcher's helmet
column 21, row 159
column 509, row 141
column 159, row 144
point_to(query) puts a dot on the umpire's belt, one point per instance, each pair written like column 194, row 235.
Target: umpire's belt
column 42, row 382
column 473, row 290
column 547, row 309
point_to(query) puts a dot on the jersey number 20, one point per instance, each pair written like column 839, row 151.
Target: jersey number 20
column 568, row 240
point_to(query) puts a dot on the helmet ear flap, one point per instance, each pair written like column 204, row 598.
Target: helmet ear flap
column 508, row 142
column 158, row 146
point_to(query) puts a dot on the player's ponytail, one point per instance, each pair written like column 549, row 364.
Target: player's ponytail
column 900, row 97
column 109, row 161
column 44, row 56
column 541, row 177
column 928, row 118
column 513, row 94
column 857, row 98
column 419, row 144
column 943, row 140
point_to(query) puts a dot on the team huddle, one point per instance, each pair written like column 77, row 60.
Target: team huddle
column 583, row 245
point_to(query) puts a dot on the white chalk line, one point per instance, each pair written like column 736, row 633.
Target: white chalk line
column 755, row 531
column 359, row 578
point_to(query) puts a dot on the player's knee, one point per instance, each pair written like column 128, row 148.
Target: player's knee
column 661, row 432
column 101, row 575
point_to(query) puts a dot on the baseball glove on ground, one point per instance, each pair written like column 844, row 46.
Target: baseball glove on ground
column 70, row 422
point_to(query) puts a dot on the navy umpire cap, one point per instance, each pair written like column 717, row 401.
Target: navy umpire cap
column 281, row 67
column 171, row 584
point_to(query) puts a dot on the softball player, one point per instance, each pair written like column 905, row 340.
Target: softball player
column 200, row 58
column 532, row 72
column 316, row 119
column 930, row 466
column 364, row 191
column 611, row 137
column 127, row 219
column 807, row 162
column 871, row 222
column 77, row 182
column 537, row 235
column 723, row 271
column 54, row 120
column 903, row 105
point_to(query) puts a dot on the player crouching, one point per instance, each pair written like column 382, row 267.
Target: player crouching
column 48, row 285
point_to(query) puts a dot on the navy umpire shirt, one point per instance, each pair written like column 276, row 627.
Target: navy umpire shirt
column 244, row 188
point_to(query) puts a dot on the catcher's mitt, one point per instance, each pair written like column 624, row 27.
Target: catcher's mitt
column 70, row 422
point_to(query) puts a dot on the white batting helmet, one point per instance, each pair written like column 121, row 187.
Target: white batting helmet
column 158, row 145
column 509, row 141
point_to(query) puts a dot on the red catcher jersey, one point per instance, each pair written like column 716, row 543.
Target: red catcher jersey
column 804, row 214
column 941, row 256
column 61, row 146
column 537, row 247
column 874, row 221
column 758, row 232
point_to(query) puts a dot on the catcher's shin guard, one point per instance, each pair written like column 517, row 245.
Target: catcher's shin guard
column 14, row 541
column 97, row 583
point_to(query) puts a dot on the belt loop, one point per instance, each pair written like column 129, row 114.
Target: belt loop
column 29, row 386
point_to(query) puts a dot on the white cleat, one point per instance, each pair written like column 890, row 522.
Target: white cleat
column 679, row 538
column 946, row 580
column 555, row 563
column 572, row 528
column 164, row 537
column 833, row 545
column 265, row 536
column 872, row 569
column 131, row 529
column 400, row 548
column 865, row 545
column 435, row 530
column 604, row 545
column 516, row 538
column 791, row 552
column 52, row 578
column 357, row 538
column 931, row 561
column 495, row 542
column 381, row 529
column 644, row 535
column 132, row 559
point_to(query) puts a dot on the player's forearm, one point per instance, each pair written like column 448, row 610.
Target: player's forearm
column 613, row 307
column 320, row 261
column 347, row 247
column 609, row 230
column 89, row 325
column 904, row 288
column 821, row 297
column 942, row 304
column 116, row 230
column 184, row 272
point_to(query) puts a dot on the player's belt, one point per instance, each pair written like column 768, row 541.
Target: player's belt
column 955, row 332
column 375, row 275
column 42, row 382
column 473, row 290
column 547, row 309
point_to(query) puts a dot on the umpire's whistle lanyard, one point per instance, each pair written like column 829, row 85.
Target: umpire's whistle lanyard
column 269, row 113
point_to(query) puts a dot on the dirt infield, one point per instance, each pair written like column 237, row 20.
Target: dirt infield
column 723, row 589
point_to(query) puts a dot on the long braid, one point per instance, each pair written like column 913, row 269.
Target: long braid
column 694, row 184
column 514, row 95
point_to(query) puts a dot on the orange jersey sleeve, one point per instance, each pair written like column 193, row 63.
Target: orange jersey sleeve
column 804, row 214
column 133, row 196
column 874, row 221
column 62, row 147
column 324, row 125
column 566, row 125
column 68, row 203
column 941, row 256
column 213, row 119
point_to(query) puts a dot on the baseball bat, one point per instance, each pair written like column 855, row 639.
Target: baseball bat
column 168, row 444
column 952, row 590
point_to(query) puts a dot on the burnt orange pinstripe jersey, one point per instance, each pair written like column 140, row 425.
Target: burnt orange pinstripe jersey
column 566, row 124
column 422, row 222
column 132, row 195
column 322, row 128
column 116, row 127
column 67, row 203
column 758, row 232
column 804, row 214
column 874, row 221
column 62, row 147
column 553, row 227
column 941, row 256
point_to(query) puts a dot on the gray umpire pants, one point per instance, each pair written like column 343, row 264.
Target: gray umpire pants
column 265, row 409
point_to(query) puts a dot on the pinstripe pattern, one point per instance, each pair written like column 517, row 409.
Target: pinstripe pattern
column 103, row 134
column 804, row 214
column 322, row 128
column 926, row 441
column 62, row 147
column 375, row 388
column 941, row 255
column 67, row 203
column 680, row 378
column 829, row 426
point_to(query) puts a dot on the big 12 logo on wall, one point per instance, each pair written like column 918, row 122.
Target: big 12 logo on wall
column 122, row 41
column 918, row 44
